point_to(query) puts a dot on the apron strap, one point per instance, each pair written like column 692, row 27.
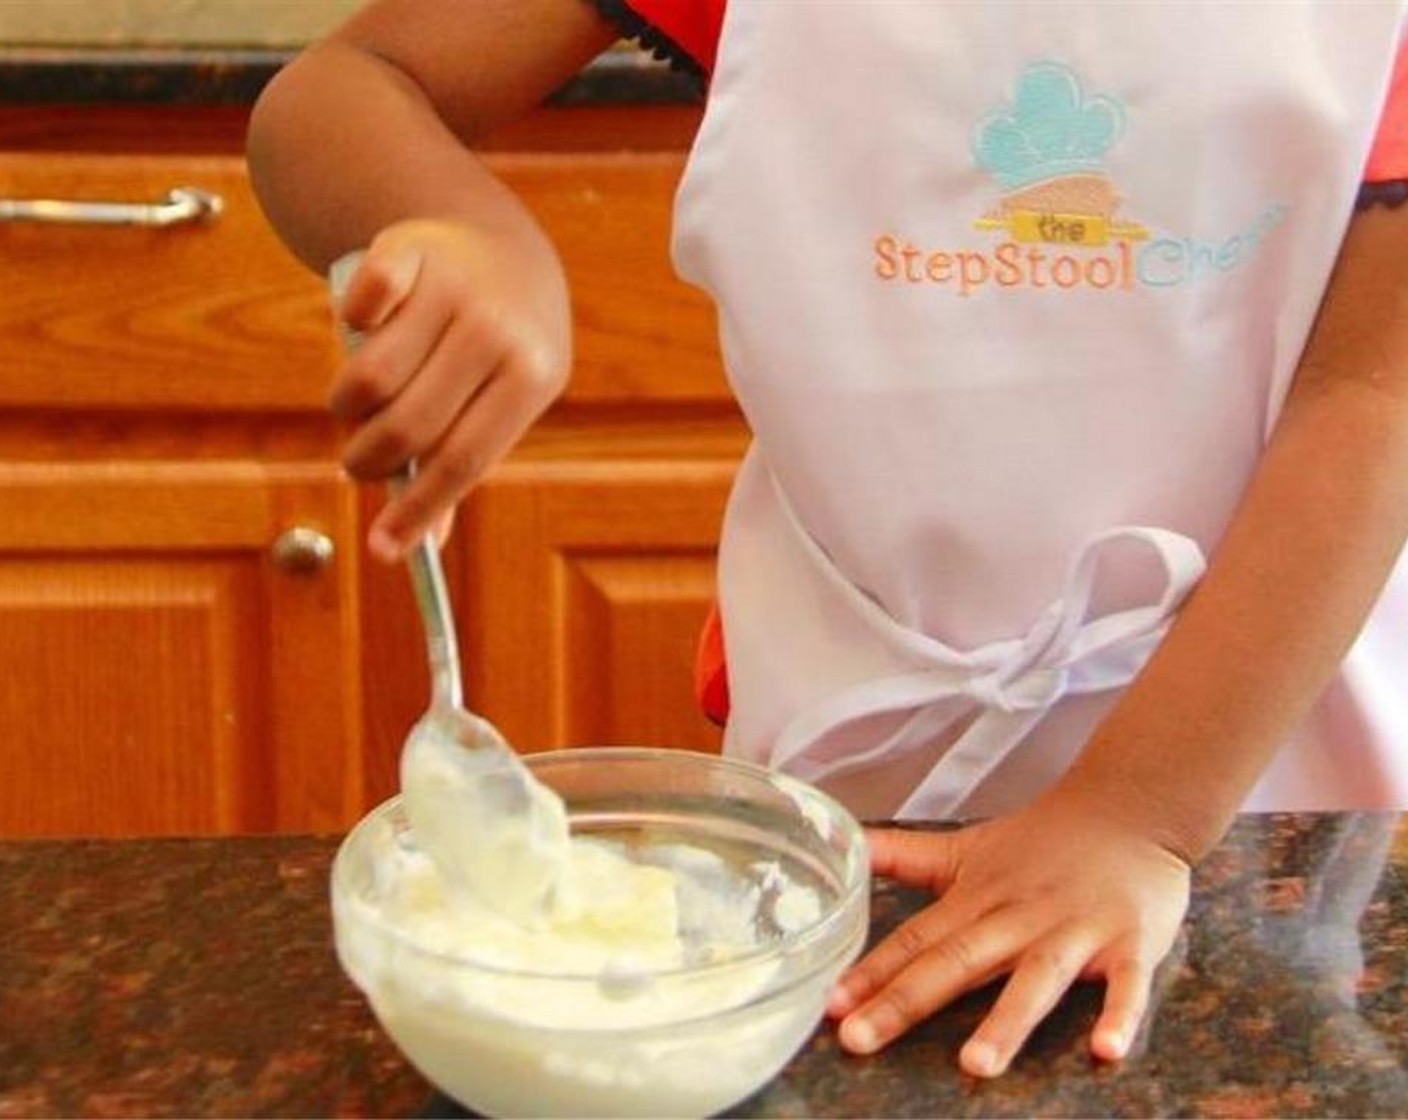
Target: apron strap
column 1004, row 687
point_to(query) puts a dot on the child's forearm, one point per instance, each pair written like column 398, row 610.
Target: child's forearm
column 342, row 144
column 1299, row 568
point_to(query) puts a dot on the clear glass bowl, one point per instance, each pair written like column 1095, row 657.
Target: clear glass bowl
column 689, row 1041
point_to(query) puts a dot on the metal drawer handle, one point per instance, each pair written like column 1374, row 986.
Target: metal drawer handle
column 182, row 205
column 303, row 551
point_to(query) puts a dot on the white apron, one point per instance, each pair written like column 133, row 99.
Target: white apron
column 1011, row 294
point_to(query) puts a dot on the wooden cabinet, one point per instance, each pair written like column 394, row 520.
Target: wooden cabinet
column 584, row 585
column 208, row 316
column 179, row 630
column 192, row 638
column 176, row 654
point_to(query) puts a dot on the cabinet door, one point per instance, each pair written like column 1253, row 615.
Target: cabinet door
column 172, row 659
column 583, row 589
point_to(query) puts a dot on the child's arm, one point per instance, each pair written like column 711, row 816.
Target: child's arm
column 364, row 140
column 1092, row 879
column 1302, row 562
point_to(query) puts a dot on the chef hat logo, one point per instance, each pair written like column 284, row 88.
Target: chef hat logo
column 1051, row 129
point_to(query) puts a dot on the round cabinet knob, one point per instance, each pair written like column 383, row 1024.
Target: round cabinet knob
column 303, row 551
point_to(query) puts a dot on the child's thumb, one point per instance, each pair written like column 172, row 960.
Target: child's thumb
column 381, row 279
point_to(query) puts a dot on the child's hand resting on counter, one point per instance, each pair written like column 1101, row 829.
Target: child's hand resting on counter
column 1051, row 894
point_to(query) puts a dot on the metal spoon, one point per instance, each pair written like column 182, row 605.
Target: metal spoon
column 495, row 833
column 492, row 829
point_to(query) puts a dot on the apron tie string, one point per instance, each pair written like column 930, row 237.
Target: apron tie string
column 1005, row 688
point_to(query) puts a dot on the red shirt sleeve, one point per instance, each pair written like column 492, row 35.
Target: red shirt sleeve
column 1388, row 159
column 711, row 670
column 691, row 25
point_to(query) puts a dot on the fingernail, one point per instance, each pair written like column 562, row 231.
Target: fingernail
column 841, row 1002
column 860, row 1036
column 1111, row 1044
column 401, row 273
column 383, row 545
column 980, row 1059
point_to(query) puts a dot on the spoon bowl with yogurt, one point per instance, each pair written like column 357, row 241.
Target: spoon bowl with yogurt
column 498, row 836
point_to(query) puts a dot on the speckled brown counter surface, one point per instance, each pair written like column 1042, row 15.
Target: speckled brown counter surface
column 196, row 978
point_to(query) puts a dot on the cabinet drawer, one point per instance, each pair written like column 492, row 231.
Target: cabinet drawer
column 218, row 315
column 197, row 315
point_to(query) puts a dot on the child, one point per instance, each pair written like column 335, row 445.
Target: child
column 1080, row 415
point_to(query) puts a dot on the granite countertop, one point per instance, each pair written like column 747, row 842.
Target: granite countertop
column 196, row 978
column 221, row 75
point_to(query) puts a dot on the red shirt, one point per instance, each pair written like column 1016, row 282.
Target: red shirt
column 1389, row 158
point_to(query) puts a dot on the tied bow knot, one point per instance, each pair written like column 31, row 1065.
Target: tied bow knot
column 1007, row 686
column 1030, row 688
column 1024, row 675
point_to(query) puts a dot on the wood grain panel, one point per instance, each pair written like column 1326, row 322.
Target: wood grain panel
column 631, row 623
column 159, row 672
column 119, row 505
column 642, row 334
column 125, row 695
column 313, row 666
column 215, row 315
column 530, row 613
column 219, row 315
column 392, row 649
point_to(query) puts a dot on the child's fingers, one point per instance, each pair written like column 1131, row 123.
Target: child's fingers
column 386, row 359
column 441, row 526
column 506, row 404
column 1127, row 984
column 1044, row 973
column 422, row 414
column 910, row 940
column 384, row 278
column 917, row 859
column 909, row 986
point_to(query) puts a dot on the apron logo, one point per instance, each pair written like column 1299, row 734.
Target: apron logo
column 1046, row 150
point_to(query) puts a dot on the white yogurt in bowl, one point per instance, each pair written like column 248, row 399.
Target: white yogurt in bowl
column 708, row 909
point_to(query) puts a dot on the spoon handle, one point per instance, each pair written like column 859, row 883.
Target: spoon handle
column 427, row 574
column 433, row 600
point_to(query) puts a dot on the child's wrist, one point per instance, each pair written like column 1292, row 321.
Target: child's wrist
column 1174, row 819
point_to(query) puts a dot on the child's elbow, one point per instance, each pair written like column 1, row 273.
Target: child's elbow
column 285, row 140
column 278, row 114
